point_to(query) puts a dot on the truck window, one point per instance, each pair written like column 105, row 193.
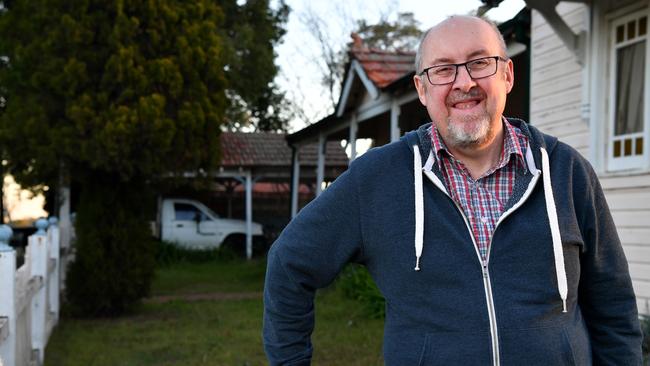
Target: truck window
column 188, row 212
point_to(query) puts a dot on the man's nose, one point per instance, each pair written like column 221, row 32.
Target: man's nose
column 464, row 81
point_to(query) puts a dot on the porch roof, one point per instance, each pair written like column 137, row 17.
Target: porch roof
column 264, row 149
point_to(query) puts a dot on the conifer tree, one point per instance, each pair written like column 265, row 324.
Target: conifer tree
column 121, row 94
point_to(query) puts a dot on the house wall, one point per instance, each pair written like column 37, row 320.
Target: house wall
column 556, row 103
column 556, row 79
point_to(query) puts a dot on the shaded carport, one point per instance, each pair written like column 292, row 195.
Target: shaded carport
column 247, row 158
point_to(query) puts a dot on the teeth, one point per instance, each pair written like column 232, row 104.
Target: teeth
column 465, row 105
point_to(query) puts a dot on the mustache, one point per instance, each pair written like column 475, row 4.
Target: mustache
column 457, row 96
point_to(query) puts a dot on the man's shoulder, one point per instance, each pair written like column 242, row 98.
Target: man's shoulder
column 563, row 157
column 560, row 152
column 540, row 139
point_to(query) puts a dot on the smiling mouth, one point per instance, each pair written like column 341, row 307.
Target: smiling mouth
column 466, row 104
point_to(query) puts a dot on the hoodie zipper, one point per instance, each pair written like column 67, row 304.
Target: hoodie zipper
column 484, row 263
column 491, row 312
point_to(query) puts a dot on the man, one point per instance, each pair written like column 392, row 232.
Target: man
column 491, row 242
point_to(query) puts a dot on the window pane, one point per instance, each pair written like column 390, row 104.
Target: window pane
column 628, row 147
column 620, row 34
column 643, row 26
column 631, row 30
column 188, row 212
column 630, row 70
column 617, row 148
column 639, row 146
column 184, row 211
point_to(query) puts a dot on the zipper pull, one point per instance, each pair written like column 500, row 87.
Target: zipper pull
column 485, row 269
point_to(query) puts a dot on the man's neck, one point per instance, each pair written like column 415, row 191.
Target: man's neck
column 478, row 159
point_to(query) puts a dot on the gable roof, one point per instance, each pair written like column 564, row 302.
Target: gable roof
column 384, row 67
column 265, row 149
column 375, row 69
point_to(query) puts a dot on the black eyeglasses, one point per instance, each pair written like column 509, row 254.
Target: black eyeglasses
column 477, row 69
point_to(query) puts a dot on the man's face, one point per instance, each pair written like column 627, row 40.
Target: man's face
column 468, row 111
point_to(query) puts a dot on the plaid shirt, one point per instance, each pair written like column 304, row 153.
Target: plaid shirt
column 482, row 200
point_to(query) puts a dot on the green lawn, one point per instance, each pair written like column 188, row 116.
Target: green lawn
column 210, row 332
column 215, row 276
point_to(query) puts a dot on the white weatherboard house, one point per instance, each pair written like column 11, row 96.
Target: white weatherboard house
column 589, row 86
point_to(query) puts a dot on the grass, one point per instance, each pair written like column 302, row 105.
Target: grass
column 211, row 332
column 344, row 334
column 215, row 276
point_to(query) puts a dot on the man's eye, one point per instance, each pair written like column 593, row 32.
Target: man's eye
column 478, row 64
column 443, row 70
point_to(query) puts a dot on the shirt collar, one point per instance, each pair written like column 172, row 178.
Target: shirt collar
column 514, row 144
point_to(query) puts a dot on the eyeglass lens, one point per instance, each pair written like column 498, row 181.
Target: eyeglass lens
column 478, row 68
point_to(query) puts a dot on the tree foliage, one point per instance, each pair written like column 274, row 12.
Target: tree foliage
column 115, row 253
column 122, row 94
column 403, row 34
column 134, row 88
column 252, row 32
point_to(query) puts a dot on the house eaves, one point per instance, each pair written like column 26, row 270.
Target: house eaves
column 576, row 43
column 355, row 70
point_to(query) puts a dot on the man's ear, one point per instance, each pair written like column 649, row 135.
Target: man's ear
column 510, row 75
column 421, row 88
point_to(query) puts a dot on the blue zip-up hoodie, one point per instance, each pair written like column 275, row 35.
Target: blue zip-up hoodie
column 555, row 289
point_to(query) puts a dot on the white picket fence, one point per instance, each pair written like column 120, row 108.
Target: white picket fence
column 29, row 295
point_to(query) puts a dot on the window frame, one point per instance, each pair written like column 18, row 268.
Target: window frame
column 634, row 162
column 204, row 216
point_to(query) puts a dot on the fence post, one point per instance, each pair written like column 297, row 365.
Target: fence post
column 8, row 298
column 53, row 238
column 65, row 230
column 37, row 249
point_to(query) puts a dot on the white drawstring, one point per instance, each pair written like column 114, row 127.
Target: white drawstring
column 419, row 205
column 551, row 212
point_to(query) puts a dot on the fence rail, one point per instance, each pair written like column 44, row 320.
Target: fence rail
column 29, row 305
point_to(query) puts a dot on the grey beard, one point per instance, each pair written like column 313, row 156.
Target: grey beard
column 463, row 138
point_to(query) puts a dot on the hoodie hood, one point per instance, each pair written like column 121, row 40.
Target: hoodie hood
column 537, row 152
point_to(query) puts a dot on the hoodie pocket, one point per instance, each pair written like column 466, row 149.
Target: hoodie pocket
column 536, row 346
column 456, row 348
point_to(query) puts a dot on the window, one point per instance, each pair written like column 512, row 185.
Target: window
column 627, row 122
column 188, row 212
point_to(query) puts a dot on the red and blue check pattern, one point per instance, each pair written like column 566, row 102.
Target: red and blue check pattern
column 482, row 200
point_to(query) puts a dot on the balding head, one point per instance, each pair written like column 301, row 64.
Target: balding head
column 456, row 22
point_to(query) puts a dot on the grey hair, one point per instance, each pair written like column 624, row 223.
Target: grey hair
column 493, row 25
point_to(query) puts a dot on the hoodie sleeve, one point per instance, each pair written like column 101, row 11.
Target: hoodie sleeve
column 606, row 296
column 308, row 255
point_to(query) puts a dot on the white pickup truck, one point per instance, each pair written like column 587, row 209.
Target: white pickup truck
column 192, row 225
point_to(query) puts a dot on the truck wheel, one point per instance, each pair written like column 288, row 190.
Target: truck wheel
column 260, row 246
column 235, row 243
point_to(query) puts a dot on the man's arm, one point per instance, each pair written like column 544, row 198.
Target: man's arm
column 606, row 296
column 308, row 255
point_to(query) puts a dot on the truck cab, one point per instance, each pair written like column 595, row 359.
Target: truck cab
column 192, row 225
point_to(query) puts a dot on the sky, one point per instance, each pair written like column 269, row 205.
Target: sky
column 21, row 204
column 299, row 74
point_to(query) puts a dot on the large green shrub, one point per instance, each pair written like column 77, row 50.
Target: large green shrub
column 114, row 261
column 356, row 283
